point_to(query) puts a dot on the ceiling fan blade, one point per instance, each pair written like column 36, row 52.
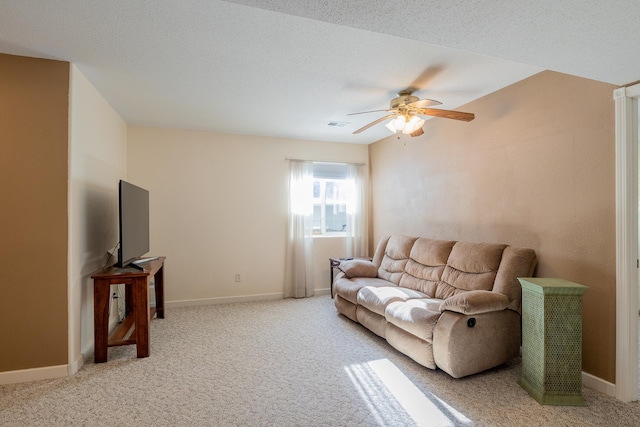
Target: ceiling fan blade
column 447, row 114
column 372, row 111
column 373, row 123
column 425, row 78
column 424, row 103
column 417, row 132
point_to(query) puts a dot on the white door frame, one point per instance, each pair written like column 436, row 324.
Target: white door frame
column 626, row 128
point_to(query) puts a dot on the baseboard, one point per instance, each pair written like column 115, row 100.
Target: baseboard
column 76, row 365
column 34, row 374
column 242, row 298
column 223, row 300
column 598, row 384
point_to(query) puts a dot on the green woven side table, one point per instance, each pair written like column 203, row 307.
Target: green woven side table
column 552, row 340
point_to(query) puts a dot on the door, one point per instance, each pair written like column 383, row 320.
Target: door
column 627, row 272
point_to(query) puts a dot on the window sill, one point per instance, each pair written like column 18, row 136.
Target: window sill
column 329, row 235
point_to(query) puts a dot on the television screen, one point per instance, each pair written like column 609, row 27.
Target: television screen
column 134, row 223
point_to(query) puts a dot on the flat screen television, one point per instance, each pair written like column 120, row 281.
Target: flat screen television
column 134, row 223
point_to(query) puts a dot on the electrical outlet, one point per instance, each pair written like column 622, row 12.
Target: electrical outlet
column 238, row 278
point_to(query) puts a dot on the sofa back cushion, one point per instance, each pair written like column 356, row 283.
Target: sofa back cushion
column 379, row 253
column 441, row 268
column 516, row 262
column 426, row 263
column 470, row 267
column 394, row 260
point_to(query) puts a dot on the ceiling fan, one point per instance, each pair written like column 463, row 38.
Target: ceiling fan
column 405, row 111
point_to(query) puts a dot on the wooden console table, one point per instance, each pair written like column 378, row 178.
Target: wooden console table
column 138, row 312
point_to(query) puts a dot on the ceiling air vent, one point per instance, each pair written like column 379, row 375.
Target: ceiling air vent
column 337, row 124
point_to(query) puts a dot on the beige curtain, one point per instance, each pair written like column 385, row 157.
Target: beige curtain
column 356, row 238
column 298, row 268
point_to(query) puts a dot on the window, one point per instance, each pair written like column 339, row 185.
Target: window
column 330, row 196
column 325, row 199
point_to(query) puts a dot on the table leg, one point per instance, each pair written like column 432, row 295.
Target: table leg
column 128, row 300
column 142, row 315
column 331, row 270
column 159, row 285
column 101, row 291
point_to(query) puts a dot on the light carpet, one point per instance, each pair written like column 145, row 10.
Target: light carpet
column 284, row 363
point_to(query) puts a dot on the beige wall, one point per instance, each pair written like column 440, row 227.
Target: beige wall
column 98, row 146
column 33, row 181
column 219, row 208
column 535, row 169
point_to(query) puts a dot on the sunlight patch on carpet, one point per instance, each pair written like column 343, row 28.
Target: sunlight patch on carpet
column 387, row 391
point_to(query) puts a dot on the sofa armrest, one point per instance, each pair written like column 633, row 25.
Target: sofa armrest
column 475, row 302
column 358, row 268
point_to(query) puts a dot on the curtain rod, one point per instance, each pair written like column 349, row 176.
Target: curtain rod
column 323, row 161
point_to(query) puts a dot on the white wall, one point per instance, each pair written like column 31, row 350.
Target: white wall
column 98, row 140
column 219, row 208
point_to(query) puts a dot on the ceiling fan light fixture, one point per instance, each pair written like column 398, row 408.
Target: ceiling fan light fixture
column 399, row 122
column 391, row 127
column 414, row 124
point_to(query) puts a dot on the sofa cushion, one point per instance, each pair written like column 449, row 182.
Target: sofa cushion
column 475, row 302
column 375, row 299
column 417, row 316
column 396, row 255
column 348, row 288
column 358, row 268
column 516, row 262
column 426, row 264
column 470, row 267
column 431, row 252
column 379, row 252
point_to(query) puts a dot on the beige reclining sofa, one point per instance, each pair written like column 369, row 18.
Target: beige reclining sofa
column 446, row 304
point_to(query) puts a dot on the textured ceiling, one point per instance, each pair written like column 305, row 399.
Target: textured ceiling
column 288, row 68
